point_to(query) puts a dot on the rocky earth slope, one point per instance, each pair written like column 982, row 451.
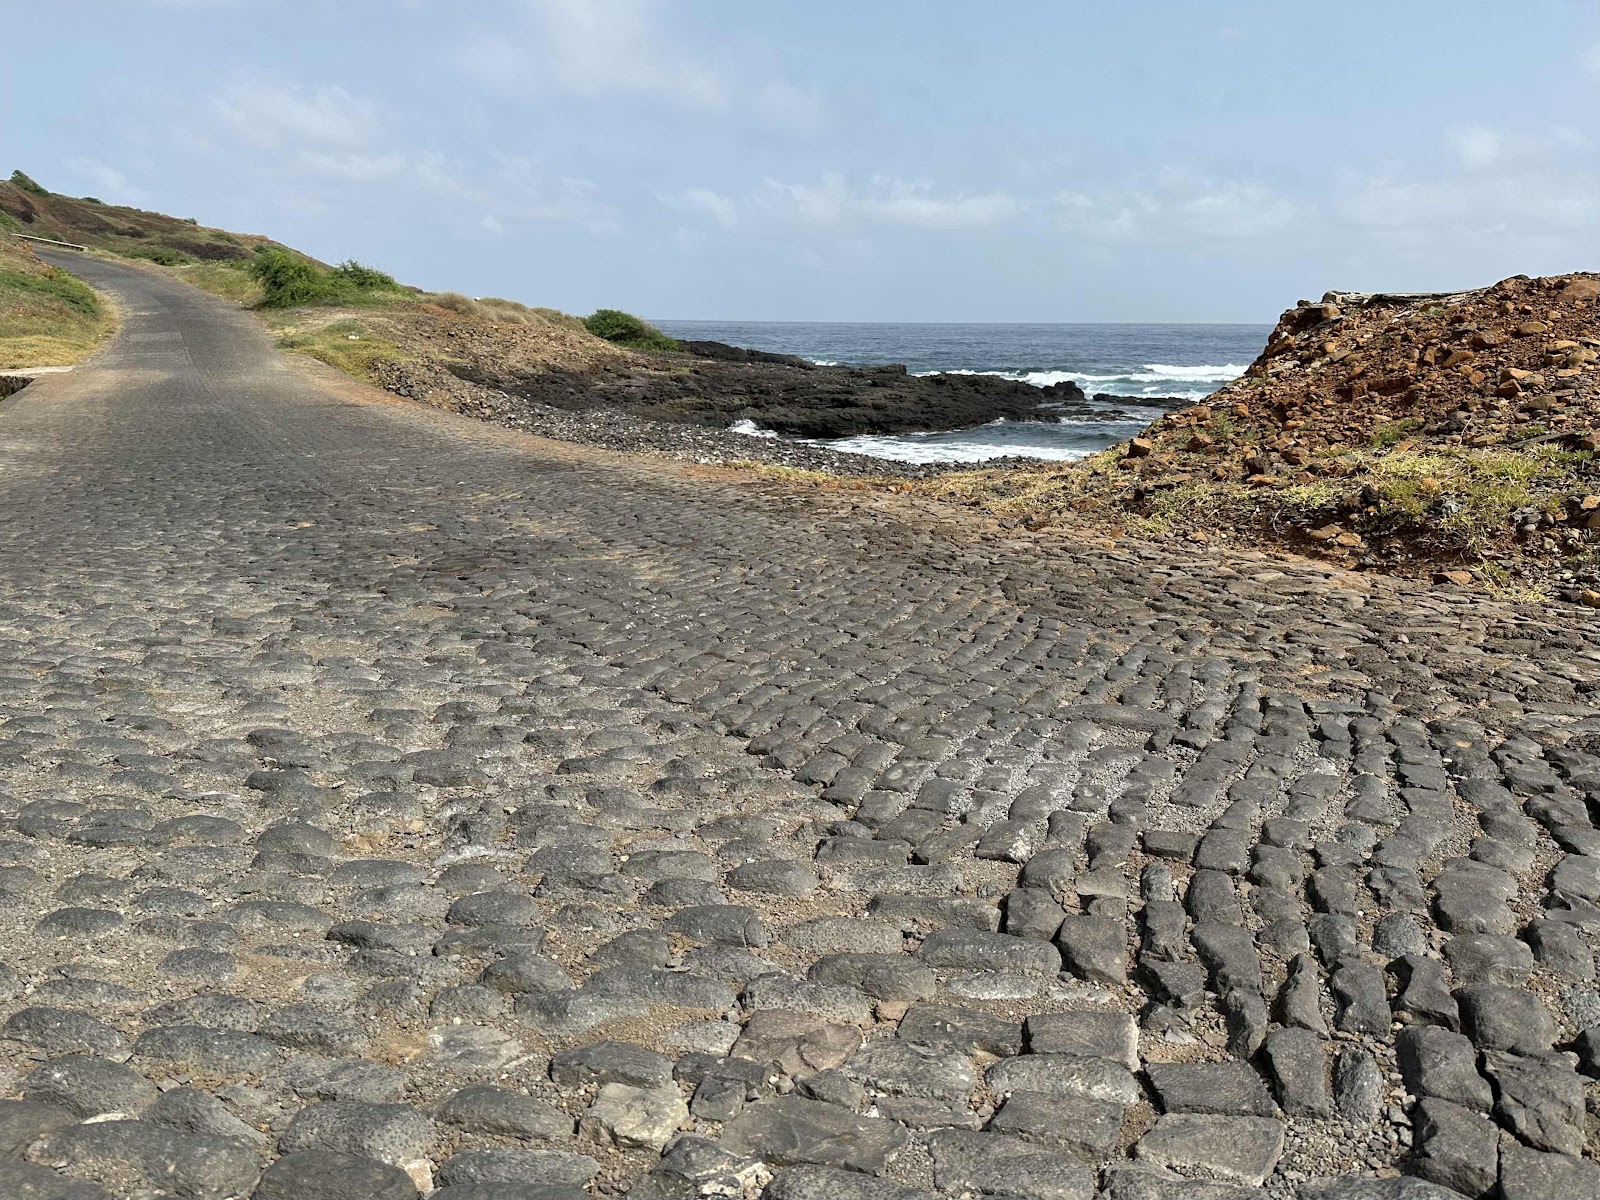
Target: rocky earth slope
column 1454, row 434
column 133, row 232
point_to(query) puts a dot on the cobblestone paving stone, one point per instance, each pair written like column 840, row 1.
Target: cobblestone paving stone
column 390, row 802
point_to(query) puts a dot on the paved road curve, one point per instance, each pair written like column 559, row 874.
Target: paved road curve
column 390, row 801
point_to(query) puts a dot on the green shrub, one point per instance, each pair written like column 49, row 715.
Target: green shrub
column 288, row 280
column 625, row 329
column 94, row 200
column 365, row 278
column 9, row 223
column 165, row 256
column 28, row 185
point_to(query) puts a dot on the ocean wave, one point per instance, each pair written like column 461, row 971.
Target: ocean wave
column 1203, row 371
column 1063, row 440
column 750, row 429
column 1150, row 379
column 905, row 448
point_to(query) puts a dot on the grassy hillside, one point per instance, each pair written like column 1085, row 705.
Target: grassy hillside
column 352, row 316
column 47, row 318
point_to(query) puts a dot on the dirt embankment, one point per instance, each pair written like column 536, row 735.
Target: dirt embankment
column 1449, row 434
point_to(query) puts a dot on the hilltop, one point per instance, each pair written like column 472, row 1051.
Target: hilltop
column 28, row 207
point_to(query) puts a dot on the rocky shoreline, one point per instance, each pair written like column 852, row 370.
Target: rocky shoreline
column 684, row 405
column 616, row 428
column 717, row 385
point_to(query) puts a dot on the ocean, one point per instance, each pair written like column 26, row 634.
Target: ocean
column 1149, row 368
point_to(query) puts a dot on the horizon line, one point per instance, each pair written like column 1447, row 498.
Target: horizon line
column 796, row 321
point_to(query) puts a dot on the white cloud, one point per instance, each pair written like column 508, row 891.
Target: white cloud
column 783, row 104
column 1177, row 207
column 1528, row 192
column 885, row 200
column 1477, row 148
column 306, row 133
column 720, row 208
column 275, row 113
column 351, row 166
column 322, row 138
column 513, row 189
column 1236, row 210
column 1566, row 137
column 593, row 48
column 1518, row 195
column 1421, row 212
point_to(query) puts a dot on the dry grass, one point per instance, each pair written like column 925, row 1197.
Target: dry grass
column 1450, row 505
column 47, row 318
column 817, row 479
column 227, row 279
column 455, row 302
column 506, row 312
column 349, row 343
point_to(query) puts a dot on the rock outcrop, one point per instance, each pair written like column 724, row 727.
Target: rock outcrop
column 787, row 396
column 1452, row 434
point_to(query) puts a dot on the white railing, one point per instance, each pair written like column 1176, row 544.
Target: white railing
column 28, row 237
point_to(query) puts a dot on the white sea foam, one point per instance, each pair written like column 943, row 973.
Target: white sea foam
column 1052, row 441
column 1203, row 371
column 1150, row 379
column 750, row 429
column 907, row 448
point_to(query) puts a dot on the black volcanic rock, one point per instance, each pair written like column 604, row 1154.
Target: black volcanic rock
column 1170, row 402
column 720, row 384
column 722, row 352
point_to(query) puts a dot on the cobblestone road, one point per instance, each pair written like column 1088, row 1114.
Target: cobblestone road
column 393, row 802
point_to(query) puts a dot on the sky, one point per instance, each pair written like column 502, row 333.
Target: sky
column 889, row 160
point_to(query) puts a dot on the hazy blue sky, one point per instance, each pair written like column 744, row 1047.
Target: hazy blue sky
column 842, row 159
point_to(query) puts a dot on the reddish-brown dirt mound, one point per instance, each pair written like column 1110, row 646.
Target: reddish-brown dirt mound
column 1453, row 434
